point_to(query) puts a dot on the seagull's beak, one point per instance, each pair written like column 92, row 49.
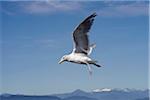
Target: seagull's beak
column 61, row 61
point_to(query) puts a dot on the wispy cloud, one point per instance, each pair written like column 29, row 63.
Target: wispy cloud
column 38, row 7
column 30, row 42
column 124, row 9
column 103, row 8
column 46, row 42
column 111, row 8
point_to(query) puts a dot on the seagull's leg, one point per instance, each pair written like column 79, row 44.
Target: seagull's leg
column 89, row 68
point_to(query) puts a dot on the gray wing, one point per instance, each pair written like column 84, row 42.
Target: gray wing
column 80, row 35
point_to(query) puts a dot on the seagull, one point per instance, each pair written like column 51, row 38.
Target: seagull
column 82, row 48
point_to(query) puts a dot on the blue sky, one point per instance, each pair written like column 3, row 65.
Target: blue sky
column 36, row 34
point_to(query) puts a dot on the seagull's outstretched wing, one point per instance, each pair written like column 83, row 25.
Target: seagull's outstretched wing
column 80, row 35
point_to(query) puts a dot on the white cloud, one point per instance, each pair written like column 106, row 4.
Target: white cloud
column 126, row 10
column 50, row 6
column 103, row 8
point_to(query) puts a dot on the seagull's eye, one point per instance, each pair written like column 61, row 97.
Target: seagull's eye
column 64, row 57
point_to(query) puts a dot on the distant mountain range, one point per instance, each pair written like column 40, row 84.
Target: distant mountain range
column 97, row 94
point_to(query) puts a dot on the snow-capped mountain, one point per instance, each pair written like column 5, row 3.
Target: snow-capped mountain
column 108, row 94
column 115, row 89
column 102, row 90
column 96, row 94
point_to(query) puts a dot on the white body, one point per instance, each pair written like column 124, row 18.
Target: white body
column 78, row 58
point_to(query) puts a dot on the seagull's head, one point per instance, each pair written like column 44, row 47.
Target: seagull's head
column 64, row 58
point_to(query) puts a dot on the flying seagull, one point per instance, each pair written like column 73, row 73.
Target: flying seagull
column 82, row 48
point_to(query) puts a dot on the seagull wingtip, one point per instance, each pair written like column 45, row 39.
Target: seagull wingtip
column 94, row 14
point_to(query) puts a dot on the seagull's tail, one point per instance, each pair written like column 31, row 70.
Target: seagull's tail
column 95, row 63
